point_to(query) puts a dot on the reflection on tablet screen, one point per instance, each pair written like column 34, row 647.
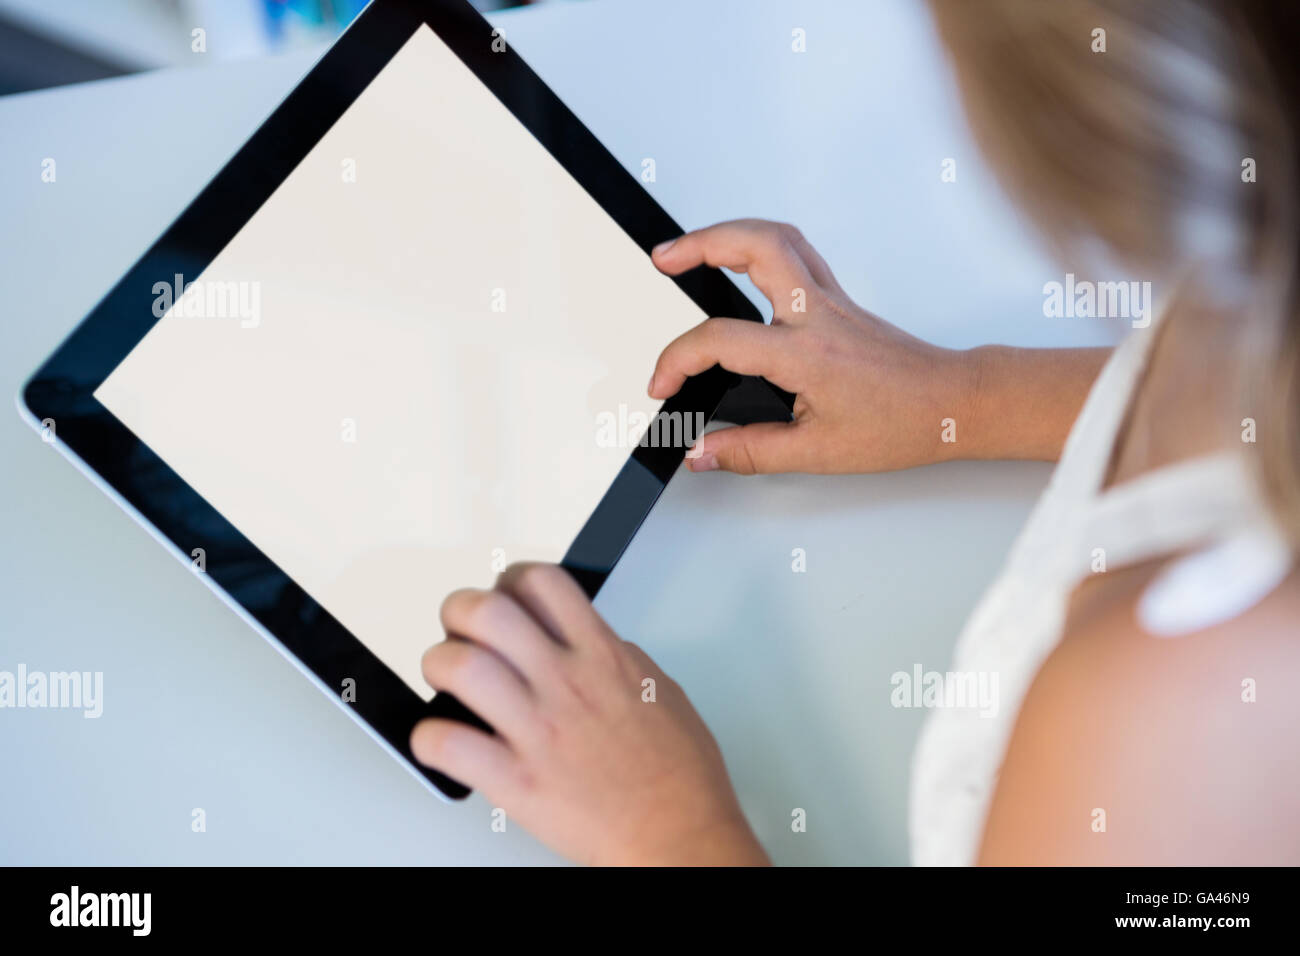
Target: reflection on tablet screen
column 413, row 363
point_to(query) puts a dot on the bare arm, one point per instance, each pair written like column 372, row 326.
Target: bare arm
column 1025, row 400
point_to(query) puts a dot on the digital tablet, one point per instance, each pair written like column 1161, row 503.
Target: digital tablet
column 400, row 339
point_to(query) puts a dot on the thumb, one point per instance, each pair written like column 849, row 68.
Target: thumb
column 762, row 448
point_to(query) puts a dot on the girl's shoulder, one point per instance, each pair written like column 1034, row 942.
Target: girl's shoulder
column 1134, row 747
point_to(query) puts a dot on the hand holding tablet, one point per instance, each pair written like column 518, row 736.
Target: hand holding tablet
column 596, row 750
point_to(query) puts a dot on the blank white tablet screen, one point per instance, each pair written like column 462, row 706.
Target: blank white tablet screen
column 425, row 335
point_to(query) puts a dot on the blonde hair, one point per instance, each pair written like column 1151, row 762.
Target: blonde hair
column 1144, row 136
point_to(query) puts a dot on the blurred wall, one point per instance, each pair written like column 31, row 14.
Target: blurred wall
column 52, row 42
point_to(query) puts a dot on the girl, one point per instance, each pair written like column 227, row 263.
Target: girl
column 1146, row 712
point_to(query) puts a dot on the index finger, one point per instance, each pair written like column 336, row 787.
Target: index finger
column 767, row 251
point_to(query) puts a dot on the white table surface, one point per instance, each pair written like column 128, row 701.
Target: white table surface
column 790, row 670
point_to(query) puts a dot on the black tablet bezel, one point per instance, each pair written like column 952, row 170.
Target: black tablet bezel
column 61, row 391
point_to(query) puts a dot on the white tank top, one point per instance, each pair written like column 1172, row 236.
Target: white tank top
column 1210, row 506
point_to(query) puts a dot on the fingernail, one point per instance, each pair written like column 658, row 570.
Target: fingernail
column 662, row 247
column 706, row 462
column 650, row 388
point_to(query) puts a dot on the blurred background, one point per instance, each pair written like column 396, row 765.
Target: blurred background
column 52, row 42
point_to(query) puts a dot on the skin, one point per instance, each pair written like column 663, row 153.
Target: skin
column 583, row 760
column 1154, row 731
